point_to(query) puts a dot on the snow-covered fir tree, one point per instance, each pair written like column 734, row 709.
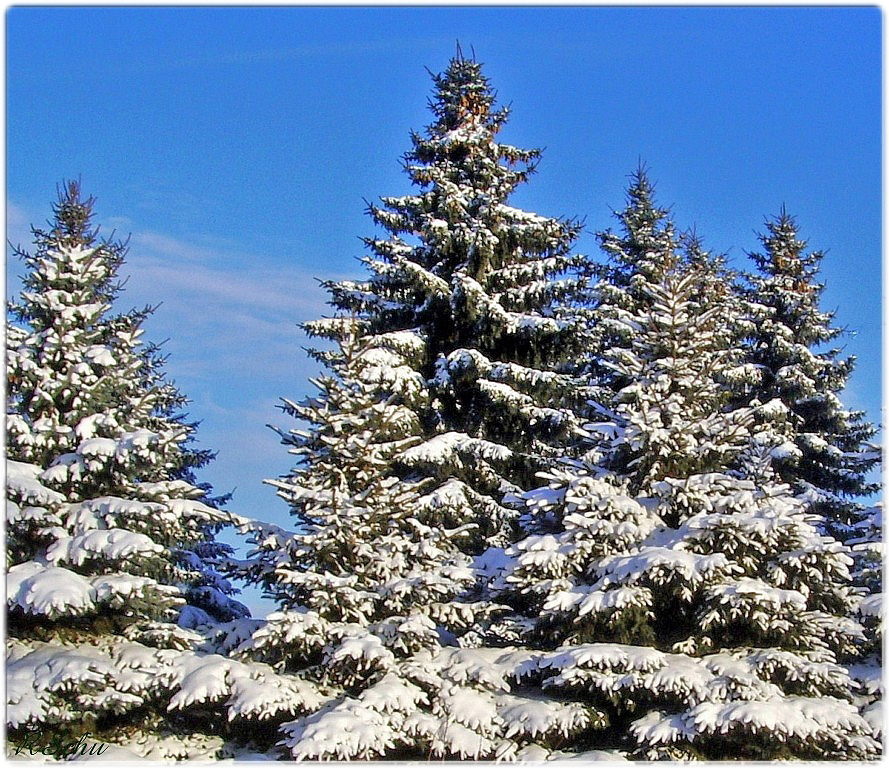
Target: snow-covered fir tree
column 820, row 447
column 112, row 583
column 641, row 251
column 666, row 386
column 866, row 543
column 695, row 605
column 817, row 446
column 483, row 287
column 373, row 566
column 452, row 380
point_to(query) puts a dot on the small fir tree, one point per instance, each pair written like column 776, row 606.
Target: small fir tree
column 818, row 446
column 110, row 545
column 695, row 605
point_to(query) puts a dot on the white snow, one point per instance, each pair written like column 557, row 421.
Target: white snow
column 116, row 544
column 48, row 590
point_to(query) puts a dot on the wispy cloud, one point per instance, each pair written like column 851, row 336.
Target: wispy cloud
column 235, row 348
column 269, row 290
column 18, row 224
column 226, row 312
column 229, row 316
column 165, row 248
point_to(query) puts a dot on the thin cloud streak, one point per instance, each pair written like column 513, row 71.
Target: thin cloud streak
column 166, row 264
column 227, row 313
column 263, row 290
column 18, row 225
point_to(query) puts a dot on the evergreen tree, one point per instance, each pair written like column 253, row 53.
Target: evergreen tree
column 812, row 442
column 818, row 446
column 485, row 289
column 669, row 382
column 372, row 559
column 694, row 604
column 643, row 250
column 451, row 382
column 653, row 383
column 112, row 560
column 73, row 367
column 866, row 543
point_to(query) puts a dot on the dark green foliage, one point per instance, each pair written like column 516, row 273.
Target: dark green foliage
column 827, row 451
column 489, row 289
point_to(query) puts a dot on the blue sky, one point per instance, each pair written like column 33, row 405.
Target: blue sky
column 237, row 147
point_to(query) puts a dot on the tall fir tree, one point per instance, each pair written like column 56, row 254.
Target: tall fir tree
column 485, row 288
column 452, row 381
column 112, row 582
column 695, row 605
column 815, row 444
